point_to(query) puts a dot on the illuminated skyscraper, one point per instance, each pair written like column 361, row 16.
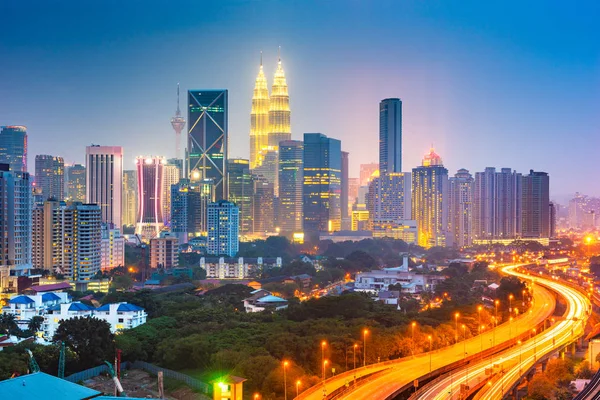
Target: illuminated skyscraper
column 50, row 176
column 389, row 198
column 241, row 191
column 536, row 205
column 178, row 123
column 460, row 204
column 13, row 147
column 429, row 201
column 207, row 138
column 130, row 196
column 269, row 168
column 189, row 208
column 223, row 225
column 346, row 222
column 264, row 207
column 366, row 174
column 150, row 175
column 290, row 186
column 104, row 181
column 279, row 109
column 75, row 183
column 322, row 184
column 171, row 174
column 390, row 136
column 259, row 119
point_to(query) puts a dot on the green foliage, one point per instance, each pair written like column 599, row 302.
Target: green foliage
column 121, row 282
column 189, row 352
column 90, row 338
column 540, row 388
column 35, row 324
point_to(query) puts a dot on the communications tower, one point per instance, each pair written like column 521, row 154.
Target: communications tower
column 178, row 123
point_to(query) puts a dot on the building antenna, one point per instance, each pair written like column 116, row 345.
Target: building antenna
column 261, row 58
column 279, row 54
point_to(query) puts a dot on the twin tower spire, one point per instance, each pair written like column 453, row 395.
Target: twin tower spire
column 270, row 115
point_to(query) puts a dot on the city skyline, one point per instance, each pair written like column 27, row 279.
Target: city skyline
column 514, row 72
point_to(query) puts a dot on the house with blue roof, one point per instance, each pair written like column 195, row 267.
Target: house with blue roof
column 25, row 307
column 262, row 300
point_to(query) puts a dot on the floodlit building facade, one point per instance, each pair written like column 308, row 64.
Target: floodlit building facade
column 291, row 156
column 241, row 191
column 130, row 195
column 13, row 147
column 104, row 181
column 279, row 109
column 259, row 119
column 50, row 176
column 75, row 183
column 150, row 176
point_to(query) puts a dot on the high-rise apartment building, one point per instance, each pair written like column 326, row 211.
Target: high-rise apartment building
column 259, row 119
column 389, row 198
column 75, row 183
column 171, row 176
column 535, row 205
column 207, row 138
column 50, row 176
column 269, row 169
column 263, row 217
column 460, row 204
column 112, row 247
column 150, row 176
column 322, row 183
column 223, row 225
column 390, row 136
column 130, row 195
column 13, row 147
column 164, row 251
column 241, row 191
column 497, row 203
column 353, row 186
column 279, row 109
column 291, row 156
column 553, row 217
column 346, row 222
column 104, row 182
column 430, row 201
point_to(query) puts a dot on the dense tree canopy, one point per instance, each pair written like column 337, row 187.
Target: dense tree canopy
column 90, row 338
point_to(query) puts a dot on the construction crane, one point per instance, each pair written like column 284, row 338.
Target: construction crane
column 61, row 361
column 118, row 386
column 33, row 365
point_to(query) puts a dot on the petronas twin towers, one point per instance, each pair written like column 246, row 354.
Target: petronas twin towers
column 270, row 116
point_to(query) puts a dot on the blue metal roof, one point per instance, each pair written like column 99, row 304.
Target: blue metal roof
column 271, row 299
column 129, row 307
column 105, row 307
column 80, row 307
column 21, row 300
column 43, row 386
column 49, row 297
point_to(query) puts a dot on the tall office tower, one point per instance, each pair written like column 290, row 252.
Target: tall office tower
column 13, row 147
column 390, row 136
column 279, row 109
column 189, row 208
column 497, row 204
column 171, row 174
column 322, row 184
column 207, row 138
column 389, row 199
column 346, row 222
column 290, row 186
column 259, row 119
column 553, row 213
column 263, row 208
column 269, row 169
column 150, row 176
column 112, row 247
column 536, row 205
column 50, row 176
column 223, row 225
column 241, row 191
column 430, row 200
column 15, row 218
column 178, row 123
column 366, row 173
column 75, row 183
column 460, row 204
column 130, row 195
column 104, row 181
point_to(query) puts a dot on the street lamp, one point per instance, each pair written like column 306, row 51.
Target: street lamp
column 510, row 298
column 256, row 396
column 285, row 364
column 456, row 327
column 365, row 333
column 412, row 327
column 325, row 362
column 323, row 345
column 430, row 350
column 354, row 354
column 495, row 320
column 298, row 383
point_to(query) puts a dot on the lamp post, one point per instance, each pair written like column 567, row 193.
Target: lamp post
column 354, row 354
column 412, row 328
column 256, row 396
column 430, row 350
column 456, row 327
column 285, row 364
column 323, row 345
column 325, row 362
column 495, row 320
column 365, row 333
column 298, row 383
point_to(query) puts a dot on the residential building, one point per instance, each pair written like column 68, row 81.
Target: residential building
column 241, row 191
column 259, row 119
column 460, row 203
column 535, row 189
column 189, row 208
column 390, row 136
column 410, row 281
column 405, row 230
column 164, row 251
column 262, row 300
column 290, row 186
column 322, row 184
column 13, row 147
column 223, row 228
column 389, row 199
column 236, row 268
column 50, row 176
column 75, row 183
column 130, row 195
column 208, row 138
column 430, row 200
column 361, row 219
column 553, row 212
column 25, row 307
column 150, row 176
column 104, row 181
column 112, row 247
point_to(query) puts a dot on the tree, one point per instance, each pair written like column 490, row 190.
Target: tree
column 35, row 324
column 363, row 261
column 540, row 388
column 121, row 282
column 559, row 371
column 8, row 324
column 90, row 338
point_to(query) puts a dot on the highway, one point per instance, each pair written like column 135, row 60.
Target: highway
column 402, row 371
column 519, row 359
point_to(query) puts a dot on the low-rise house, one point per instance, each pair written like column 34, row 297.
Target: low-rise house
column 411, row 282
column 236, row 268
column 25, row 307
column 262, row 300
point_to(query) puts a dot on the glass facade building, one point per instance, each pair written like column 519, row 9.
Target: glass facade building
column 291, row 156
column 241, row 190
column 13, row 147
column 390, row 136
column 50, row 176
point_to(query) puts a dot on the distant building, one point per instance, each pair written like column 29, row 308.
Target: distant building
column 112, row 247
column 263, row 217
column 346, row 222
column 405, row 230
column 150, row 176
column 50, row 176
column 460, row 203
column 366, row 172
column 236, row 268
column 390, row 136
column 241, row 191
column 389, row 199
column 75, row 183
column 411, row 282
column 259, row 119
column 262, row 300
column 25, row 307
column 223, row 228
column 104, row 182
column 189, row 208
column 290, row 186
column 536, row 205
column 269, row 168
column 130, row 195
column 171, row 176
column 361, row 220
column 279, row 109
column 13, row 147
column 164, row 251
column 345, row 236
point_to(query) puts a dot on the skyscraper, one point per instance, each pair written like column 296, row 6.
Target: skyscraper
column 259, row 119
column 241, row 191
column 104, row 181
column 460, row 204
column 366, row 173
column 429, row 200
column 279, row 109
column 269, row 169
column 13, row 147
column 171, row 174
column 150, row 175
column 536, row 205
column 346, row 223
column 322, row 183
column 223, row 225
column 263, row 208
column 75, row 183
column 189, row 208
column 290, row 186
column 390, row 136
column 178, row 123
column 50, row 176
column 207, row 137
column 389, row 199
column 130, row 195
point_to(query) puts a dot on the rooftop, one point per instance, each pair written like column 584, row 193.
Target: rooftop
column 51, row 288
column 43, row 386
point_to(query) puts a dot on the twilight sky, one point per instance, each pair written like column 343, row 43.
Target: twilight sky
column 489, row 83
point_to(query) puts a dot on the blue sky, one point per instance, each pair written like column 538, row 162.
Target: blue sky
column 498, row 83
